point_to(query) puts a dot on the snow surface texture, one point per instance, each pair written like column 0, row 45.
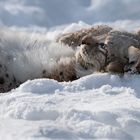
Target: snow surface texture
column 98, row 106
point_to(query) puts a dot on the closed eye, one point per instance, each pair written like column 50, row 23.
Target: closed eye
column 132, row 63
column 102, row 48
column 102, row 45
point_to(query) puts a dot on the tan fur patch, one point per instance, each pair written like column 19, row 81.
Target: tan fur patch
column 115, row 67
column 75, row 39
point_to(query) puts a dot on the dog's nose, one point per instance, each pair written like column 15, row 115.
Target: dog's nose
column 132, row 62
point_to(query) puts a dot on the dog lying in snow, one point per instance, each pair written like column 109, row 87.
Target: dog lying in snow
column 25, row 56
column 94, row 56
column 110, row 52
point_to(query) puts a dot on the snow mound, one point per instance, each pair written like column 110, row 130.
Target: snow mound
column 40, row 86
column 98, row 106
column 103, row 81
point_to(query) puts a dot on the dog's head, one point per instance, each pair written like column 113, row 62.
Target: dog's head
column 91, row 54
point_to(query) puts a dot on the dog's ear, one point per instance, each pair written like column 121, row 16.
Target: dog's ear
column 89, row 40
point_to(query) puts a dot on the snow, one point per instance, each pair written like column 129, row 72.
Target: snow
column 97, row 106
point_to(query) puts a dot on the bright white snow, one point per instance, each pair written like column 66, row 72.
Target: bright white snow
column 98, row 106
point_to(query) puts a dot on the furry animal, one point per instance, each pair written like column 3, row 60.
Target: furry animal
column 65, row 70
column 115, row 67
column 90, row 55
column 118, row 43
column 84, row 62
column 115, row 55
column 134, row 60
column 136, row 67
column 7, row 79
column 93, row 55
column 123, row 48
column 25, row 56
column 74, row 39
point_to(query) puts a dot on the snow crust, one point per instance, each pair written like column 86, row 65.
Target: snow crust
column 99, row 106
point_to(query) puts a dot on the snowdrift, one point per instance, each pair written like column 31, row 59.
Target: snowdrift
column 99, row 106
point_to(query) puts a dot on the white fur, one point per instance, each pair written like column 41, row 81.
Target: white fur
column 26, row 55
